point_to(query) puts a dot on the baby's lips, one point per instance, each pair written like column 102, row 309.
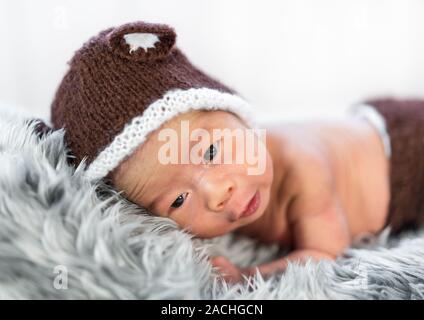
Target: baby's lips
column 140, row 41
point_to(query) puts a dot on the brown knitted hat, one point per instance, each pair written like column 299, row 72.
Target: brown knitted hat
column 123, row 84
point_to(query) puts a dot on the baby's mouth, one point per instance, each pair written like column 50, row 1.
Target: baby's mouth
column 252, row 206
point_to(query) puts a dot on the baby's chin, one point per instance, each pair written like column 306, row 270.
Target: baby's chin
column 232, row 226
column 240, row 223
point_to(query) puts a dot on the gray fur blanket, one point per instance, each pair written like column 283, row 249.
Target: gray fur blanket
column 62, row 237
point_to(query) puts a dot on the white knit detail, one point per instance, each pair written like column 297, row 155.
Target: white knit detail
column 369, row 113
column 141, row 40
column 171, row 104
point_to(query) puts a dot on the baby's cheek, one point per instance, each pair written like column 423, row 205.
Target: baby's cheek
column 215, row 230
column 202, row 225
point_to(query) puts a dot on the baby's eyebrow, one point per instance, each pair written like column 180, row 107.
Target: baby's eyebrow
column 199, row 139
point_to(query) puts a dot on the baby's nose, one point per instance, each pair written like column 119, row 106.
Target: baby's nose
column 219, row 199
column 218, row 192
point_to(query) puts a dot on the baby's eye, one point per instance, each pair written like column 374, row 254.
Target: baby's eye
column 211, row 152
column 179, row 201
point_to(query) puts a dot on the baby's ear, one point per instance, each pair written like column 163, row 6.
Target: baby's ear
column 142, row 41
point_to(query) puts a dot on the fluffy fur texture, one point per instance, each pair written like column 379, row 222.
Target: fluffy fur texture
column 51, row 216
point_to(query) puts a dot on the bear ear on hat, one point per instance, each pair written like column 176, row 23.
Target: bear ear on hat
column 141, row 41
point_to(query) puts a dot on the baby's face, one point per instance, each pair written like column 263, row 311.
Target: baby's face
column 210, row 197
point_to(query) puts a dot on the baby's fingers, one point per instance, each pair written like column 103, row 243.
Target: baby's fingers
column 227, row 269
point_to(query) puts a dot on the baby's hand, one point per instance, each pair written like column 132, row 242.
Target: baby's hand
column 233, row 274
column 228, row 270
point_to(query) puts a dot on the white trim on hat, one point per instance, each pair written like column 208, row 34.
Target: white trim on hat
column 171, row 104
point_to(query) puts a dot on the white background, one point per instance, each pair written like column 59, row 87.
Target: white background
column 290, row 59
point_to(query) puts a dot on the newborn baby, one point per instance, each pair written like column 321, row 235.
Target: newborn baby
column 143, row 117
column 324, row 184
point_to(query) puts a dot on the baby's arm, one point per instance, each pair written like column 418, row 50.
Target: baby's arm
column 322, row 235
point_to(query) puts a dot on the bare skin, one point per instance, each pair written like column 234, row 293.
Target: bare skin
column 324, row 185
